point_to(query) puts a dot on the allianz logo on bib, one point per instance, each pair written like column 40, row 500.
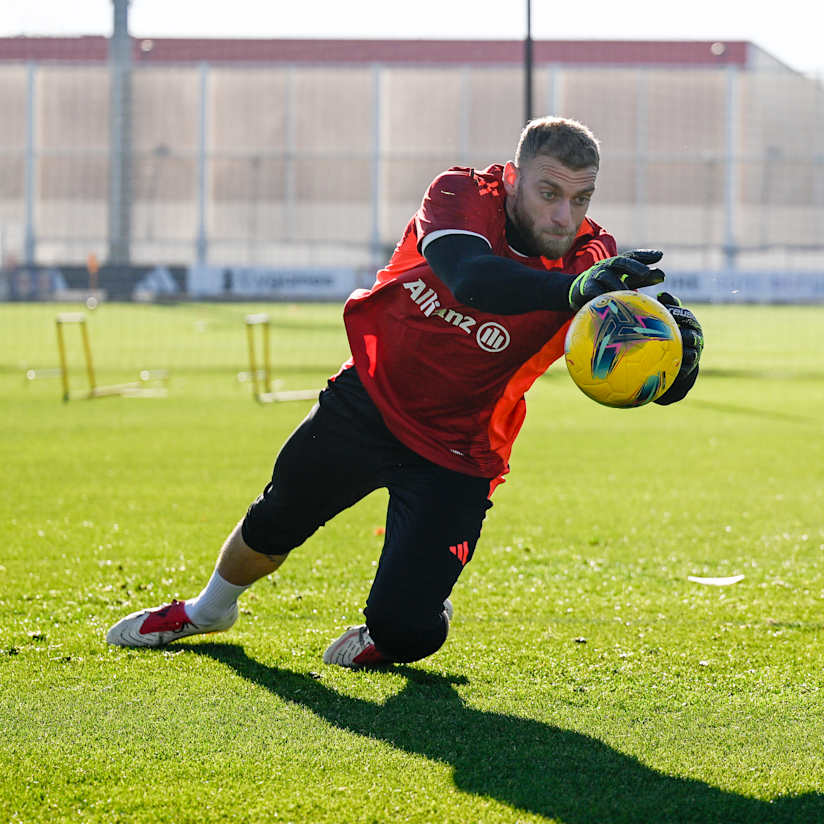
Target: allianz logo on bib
column 490, row 336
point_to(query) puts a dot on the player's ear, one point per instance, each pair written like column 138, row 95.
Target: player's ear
column 510, row 177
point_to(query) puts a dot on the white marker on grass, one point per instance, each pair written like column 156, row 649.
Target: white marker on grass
column 715, row 582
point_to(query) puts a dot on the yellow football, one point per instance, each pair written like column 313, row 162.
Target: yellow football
column 623, row 349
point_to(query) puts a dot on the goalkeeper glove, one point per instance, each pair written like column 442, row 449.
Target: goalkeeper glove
column 692, row 336
column 628, row 271
column 692, row 340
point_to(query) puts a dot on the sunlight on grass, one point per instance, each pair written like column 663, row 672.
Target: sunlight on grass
column 585, row 680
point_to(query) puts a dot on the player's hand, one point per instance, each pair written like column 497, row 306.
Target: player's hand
column 627, row 271
column 692, row 336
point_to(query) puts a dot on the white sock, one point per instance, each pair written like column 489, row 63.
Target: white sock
column 216, row 599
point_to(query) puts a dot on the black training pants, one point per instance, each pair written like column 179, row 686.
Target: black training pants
column 340, row 453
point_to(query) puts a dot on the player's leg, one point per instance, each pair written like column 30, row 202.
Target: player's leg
column 241, row 565
column 324, row 467
column 215, row 609
column 433, row 525
column 238, row 567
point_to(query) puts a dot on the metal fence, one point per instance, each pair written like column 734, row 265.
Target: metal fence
column 318, row 166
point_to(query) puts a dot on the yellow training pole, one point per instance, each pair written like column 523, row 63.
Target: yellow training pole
column 61, row 348
column 250, row 337
column 267, row 367
column 79, row 318
column 84, row 332
column 262, row 320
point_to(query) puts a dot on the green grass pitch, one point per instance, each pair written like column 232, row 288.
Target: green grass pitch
column 585, row 680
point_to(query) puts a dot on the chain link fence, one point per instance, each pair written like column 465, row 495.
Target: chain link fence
column 302, row 166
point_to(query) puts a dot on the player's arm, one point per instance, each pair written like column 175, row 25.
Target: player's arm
column 492, row 283
column 497, row 284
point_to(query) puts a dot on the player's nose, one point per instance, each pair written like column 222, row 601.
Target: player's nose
column 561, row 214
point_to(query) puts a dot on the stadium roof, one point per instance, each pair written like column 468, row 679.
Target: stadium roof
column 147, row 51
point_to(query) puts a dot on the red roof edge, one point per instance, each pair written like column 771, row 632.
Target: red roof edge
column 182, row 50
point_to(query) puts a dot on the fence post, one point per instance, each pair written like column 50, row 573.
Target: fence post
column 553, row 90
column 377, row 169
column 30, row 169
column 641, row 156
column 120, row 135
column 202, row 241
column 290, row 156
column 464, row 115
column 731, row 159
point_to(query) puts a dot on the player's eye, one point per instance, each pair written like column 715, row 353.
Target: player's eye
column 582, row 200
column 549, row 195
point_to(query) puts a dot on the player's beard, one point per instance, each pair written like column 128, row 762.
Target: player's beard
column 538, row 242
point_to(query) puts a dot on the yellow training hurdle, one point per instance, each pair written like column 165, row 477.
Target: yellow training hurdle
column 135, row 389
column 261, row 378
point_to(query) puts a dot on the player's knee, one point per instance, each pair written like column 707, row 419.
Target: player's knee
column 270, row 535
column 277, row 530
column 405, row 638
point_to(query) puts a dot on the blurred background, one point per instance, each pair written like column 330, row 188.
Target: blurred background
column 247, row 150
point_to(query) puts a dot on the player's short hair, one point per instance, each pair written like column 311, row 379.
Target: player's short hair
column 568, row 141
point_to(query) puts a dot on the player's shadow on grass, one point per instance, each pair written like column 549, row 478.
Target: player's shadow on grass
column 527, row 764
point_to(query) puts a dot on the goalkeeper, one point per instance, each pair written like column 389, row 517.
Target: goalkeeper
column 471, row 308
